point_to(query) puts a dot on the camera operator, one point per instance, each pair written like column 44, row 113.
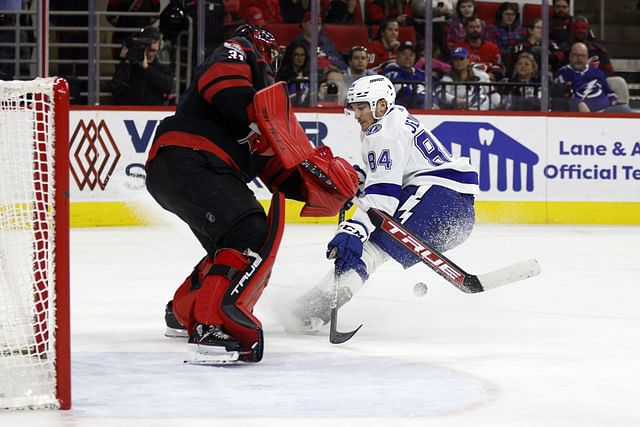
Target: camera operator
column 140, row 78
column 333, row 89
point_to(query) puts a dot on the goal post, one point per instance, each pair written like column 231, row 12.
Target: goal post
column 35, row 363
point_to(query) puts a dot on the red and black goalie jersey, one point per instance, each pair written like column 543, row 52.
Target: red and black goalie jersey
column 213, row 113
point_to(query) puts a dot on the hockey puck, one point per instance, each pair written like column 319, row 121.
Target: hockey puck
column 420, row 289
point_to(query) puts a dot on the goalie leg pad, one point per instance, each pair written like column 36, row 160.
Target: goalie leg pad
column 232, row 283
column 184, row 297
column 248, row 285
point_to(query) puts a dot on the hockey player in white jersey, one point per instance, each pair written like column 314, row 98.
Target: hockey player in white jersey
column 407, row 173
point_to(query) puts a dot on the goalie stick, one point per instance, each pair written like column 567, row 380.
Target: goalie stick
column 447, row 269
column 335, row 336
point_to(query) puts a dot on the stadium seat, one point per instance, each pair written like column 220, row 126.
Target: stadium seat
column 487, row 11
column 407, row 34
column 284, row 33
column 620, row 87
column 533, row 11
column 346, row 36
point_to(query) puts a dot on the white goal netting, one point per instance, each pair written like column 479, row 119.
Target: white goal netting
column 27, row 244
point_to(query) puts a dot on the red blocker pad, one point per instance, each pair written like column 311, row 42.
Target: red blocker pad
column 279, row 125
column 247, row 285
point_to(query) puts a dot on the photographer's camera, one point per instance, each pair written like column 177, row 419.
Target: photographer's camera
column 136, row 48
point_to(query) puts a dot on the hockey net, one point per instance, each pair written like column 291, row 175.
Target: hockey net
column 34, row 230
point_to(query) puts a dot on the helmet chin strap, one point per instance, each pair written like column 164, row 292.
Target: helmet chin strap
column 375, row 108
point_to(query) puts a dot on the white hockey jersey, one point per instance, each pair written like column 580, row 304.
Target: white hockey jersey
column 397, row 152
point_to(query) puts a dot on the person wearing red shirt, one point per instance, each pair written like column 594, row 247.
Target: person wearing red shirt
column 482, row 51
column 384, row 47
column 270, row 9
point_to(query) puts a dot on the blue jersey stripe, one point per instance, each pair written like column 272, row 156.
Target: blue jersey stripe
column 385, row 189
column 453, row 175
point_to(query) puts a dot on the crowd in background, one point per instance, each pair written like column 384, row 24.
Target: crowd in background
column 476, row 64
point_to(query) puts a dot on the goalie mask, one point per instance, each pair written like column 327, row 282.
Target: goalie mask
column 371, row 89
column 262, row 40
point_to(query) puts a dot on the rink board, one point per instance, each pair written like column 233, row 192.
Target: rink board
column 539, row 168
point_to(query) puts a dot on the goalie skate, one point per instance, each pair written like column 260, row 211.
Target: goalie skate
column 209, row 345
column 174, row 329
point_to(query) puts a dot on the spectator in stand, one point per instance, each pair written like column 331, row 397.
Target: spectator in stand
column 481, row 51
column 327, row 52
column 507, row 32
column 268, row 9
column 559, row 30
column 442, row 12
column 378, row 11
column 358, row 61
column 587, row 86
column 293, row 11
column 140, row 78
column 341, row 11
column 333, row 89
column 533, row 45
column 384, row 46
column 408, row 81
column 458, row 95
column 294, row 69
column 438, row 68
column 465, row 9
column 253, row 16
column 524, row 98
column 598, row 55
column 123, row 20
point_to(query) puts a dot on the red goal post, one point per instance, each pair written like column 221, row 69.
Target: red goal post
column 34, row 244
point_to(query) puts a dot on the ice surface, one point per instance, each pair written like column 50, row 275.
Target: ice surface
column 560, row 349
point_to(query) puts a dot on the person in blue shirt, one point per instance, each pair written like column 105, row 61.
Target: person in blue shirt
column 403, row 73
column 588, row 86
column 327, row 52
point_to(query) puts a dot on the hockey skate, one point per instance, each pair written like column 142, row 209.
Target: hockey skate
column 209, row 345
column 312, row 310
column 174, row 328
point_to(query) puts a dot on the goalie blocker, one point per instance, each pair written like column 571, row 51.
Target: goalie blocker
column 325, row 182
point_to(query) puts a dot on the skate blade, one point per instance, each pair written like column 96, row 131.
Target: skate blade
column 208, row 355
column 176, row 333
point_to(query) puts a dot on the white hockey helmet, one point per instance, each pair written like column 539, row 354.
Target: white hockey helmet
column 371, row 89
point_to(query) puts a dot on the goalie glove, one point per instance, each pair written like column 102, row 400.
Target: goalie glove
column 327, row 183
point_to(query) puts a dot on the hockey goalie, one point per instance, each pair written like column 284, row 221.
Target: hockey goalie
column 231, row 126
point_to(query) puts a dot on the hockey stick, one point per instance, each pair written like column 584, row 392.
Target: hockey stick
column 442, row 265
column 335, row 336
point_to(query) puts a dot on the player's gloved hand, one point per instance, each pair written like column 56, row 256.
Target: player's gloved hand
column 346, row 246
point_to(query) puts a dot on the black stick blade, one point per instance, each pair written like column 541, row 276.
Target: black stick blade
column 335, row 336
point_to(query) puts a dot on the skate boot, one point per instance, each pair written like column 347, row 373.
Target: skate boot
column 313, row 309
column 209, row 345
column 174, row 328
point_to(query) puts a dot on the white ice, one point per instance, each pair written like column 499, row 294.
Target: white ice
column 561, row 349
